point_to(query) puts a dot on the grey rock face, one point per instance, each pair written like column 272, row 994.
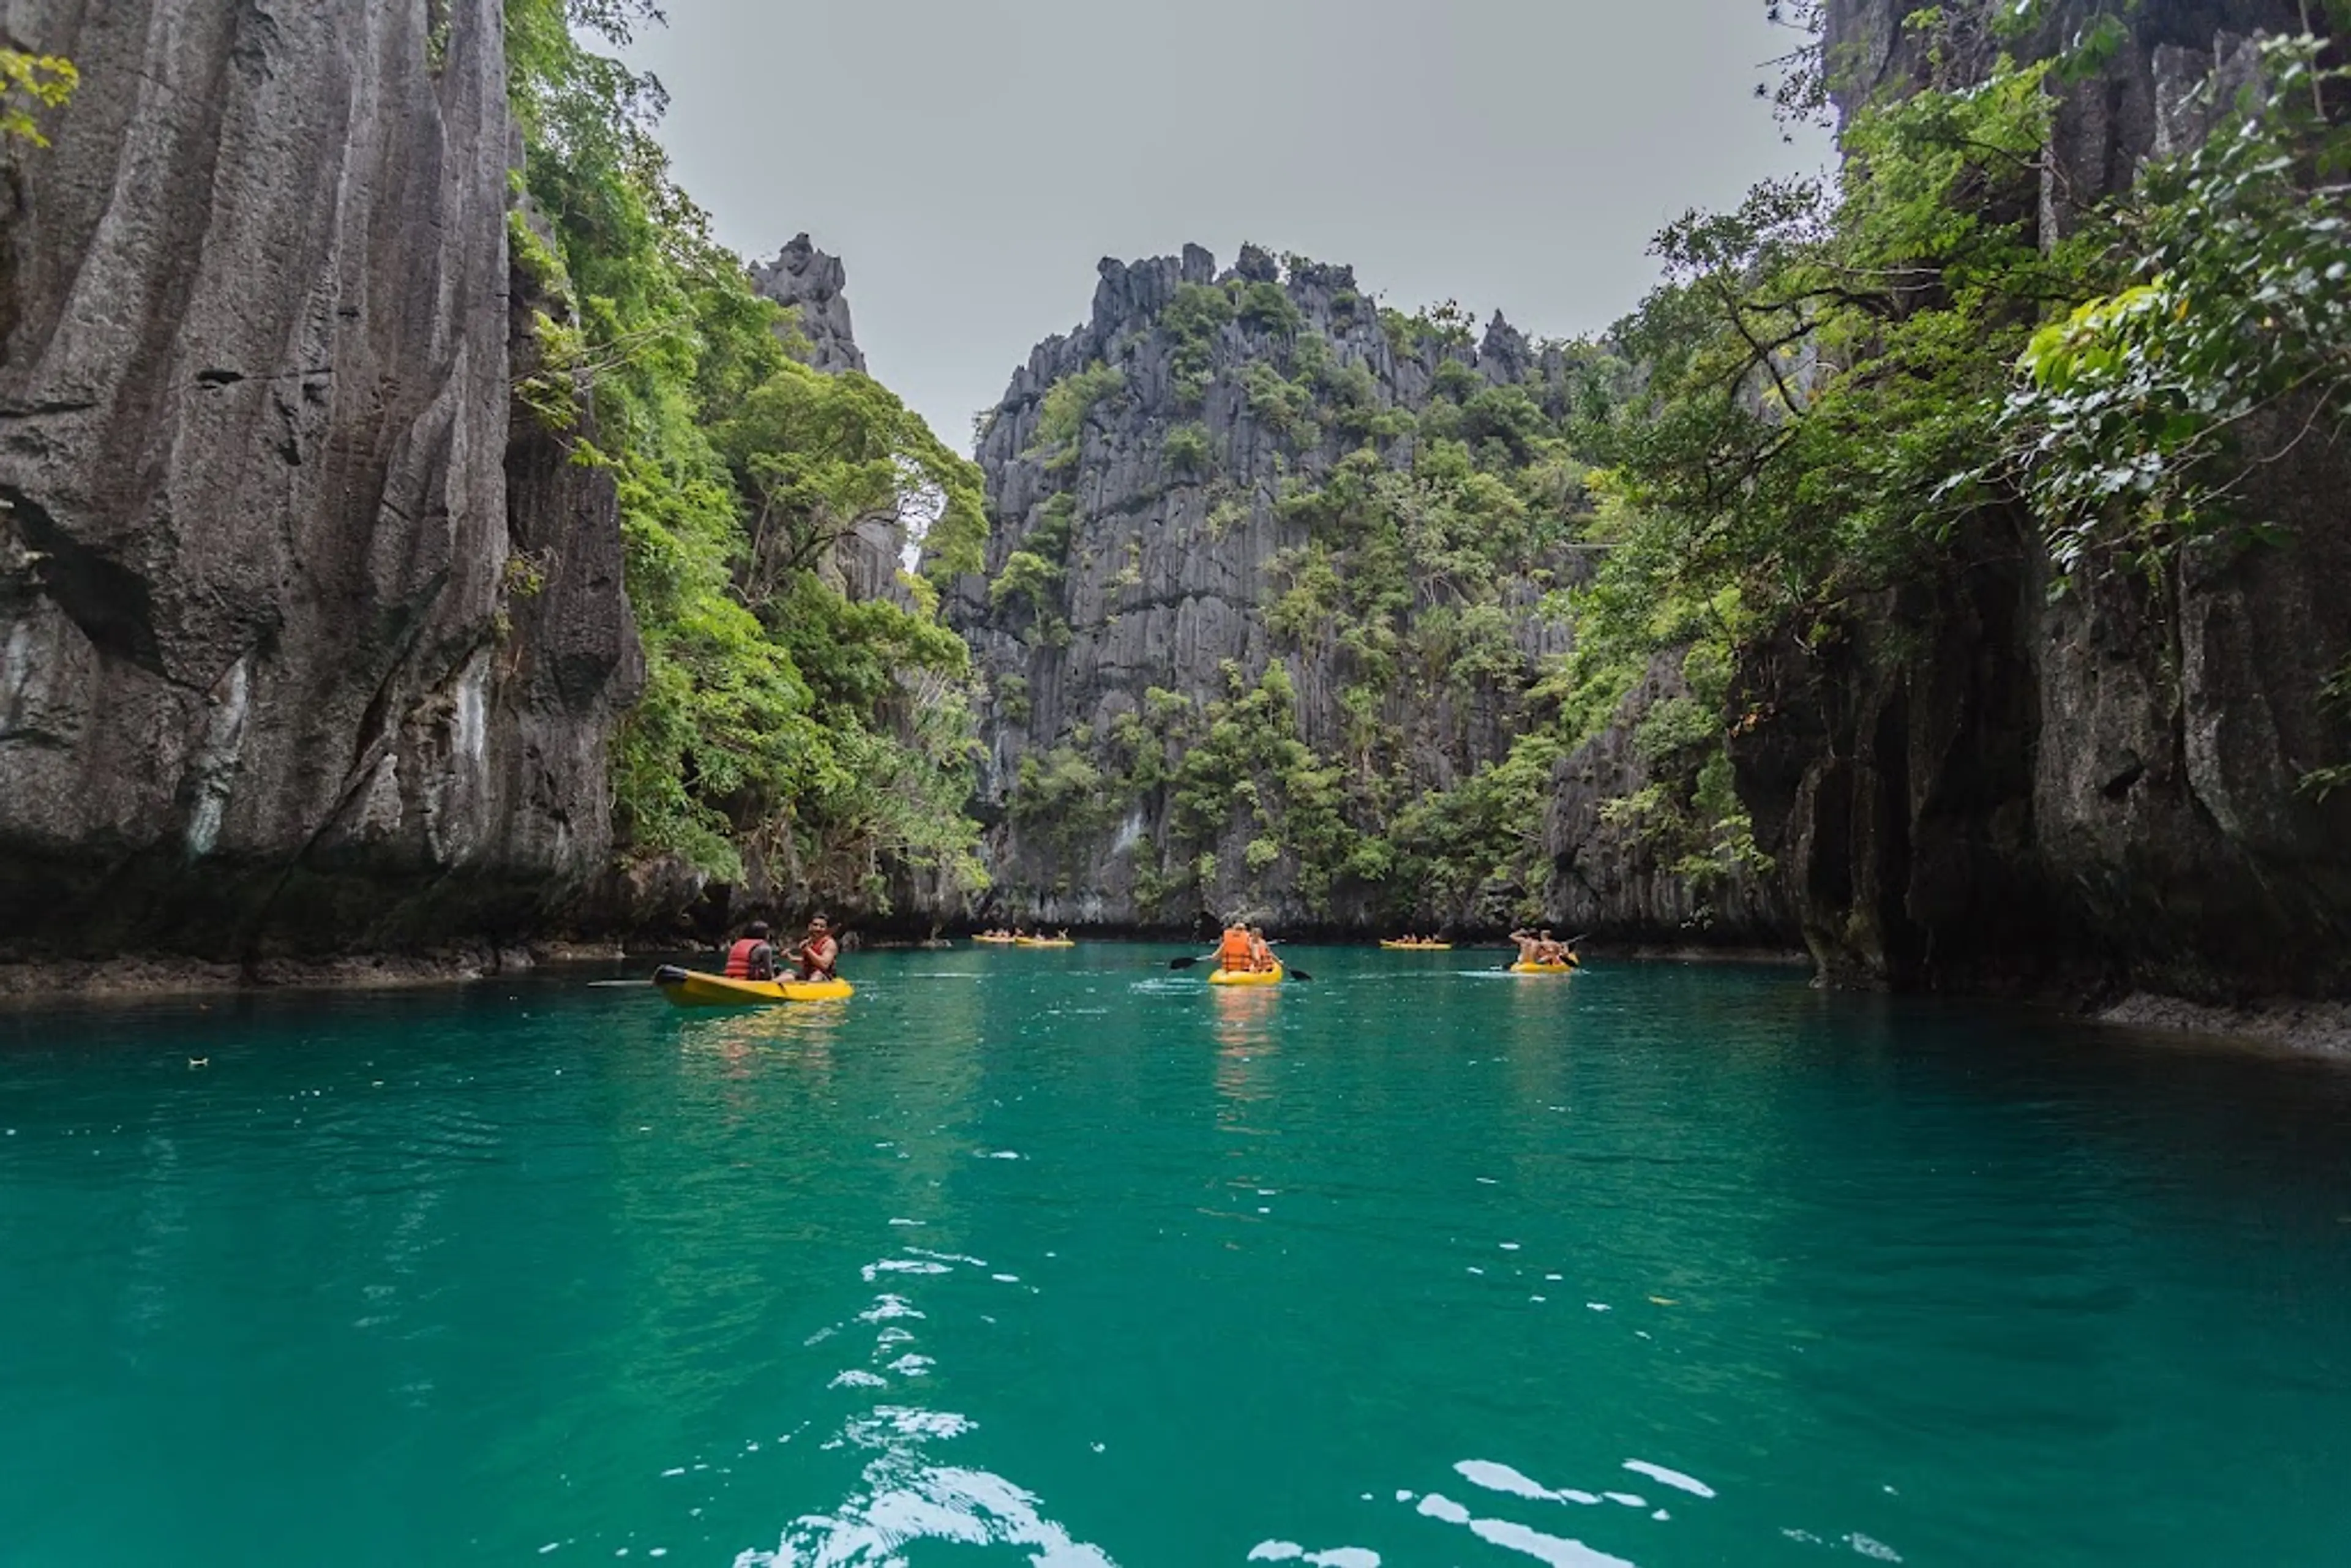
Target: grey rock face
column 811, row 283
column 1983, row 782
column 277, row 669
column 1162, row 518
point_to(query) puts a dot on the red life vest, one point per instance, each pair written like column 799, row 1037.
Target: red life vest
column 739, row 957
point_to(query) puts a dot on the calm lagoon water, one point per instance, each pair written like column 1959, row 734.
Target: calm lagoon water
column 1060, row 1258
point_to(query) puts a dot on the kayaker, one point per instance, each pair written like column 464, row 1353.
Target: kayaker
column 1529, row 946
column 1549, row 949
column 1235, row 954
column 753, row 957
column 819, row 954
column 1261, row 950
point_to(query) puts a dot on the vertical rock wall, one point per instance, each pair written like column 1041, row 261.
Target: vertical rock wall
column 277, row 669
column 1981, row 781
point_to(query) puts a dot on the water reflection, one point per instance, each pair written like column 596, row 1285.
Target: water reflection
column 1246, row 1050
column 805, row 1031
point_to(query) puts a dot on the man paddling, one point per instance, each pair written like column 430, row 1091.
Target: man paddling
column 819, row 954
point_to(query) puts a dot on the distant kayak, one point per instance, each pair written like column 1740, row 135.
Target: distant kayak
column 692, row 988
column 1272, row 977
column 1418, row 947
column 1041, row 942
column 1542, row 969
column 998, row 941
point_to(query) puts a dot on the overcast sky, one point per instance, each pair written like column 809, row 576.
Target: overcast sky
column 971, row 160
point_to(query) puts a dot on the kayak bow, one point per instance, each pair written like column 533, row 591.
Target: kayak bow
column 1272, row 977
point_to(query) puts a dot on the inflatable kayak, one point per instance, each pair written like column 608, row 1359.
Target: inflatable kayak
column 1418, row 947
column 1542, row 969
column 998, row 941
column 1041, row 942
column 1272, row 977
column 692, row 988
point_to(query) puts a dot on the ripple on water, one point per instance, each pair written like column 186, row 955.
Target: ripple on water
column 1336, row 1557
column 906, row 1503
column 1503, row 1478
column 1665, row 1476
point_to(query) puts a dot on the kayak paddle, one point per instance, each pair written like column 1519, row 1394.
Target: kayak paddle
column 1180, row 964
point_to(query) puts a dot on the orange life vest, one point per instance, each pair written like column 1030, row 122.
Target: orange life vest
column 1235, row 955
column 820, row 957
column 739, row 957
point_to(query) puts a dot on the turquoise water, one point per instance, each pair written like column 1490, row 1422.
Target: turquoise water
column 1031, row 1257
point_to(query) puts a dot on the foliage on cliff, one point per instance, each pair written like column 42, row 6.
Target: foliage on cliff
column 1841, row 375
column 29, row 84
column 784, row 725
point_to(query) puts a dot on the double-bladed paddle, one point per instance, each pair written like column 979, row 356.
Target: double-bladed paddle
column 1300, row 976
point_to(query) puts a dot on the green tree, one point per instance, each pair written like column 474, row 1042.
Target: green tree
column 828, row 739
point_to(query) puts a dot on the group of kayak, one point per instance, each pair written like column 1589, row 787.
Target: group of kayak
column 757, row 968
column 1018, row 938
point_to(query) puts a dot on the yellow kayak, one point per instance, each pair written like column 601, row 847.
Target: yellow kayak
column 692, row 988
column 1418, row 947
column 998, row 941
column 1542, row 969
column 1039, row 941
column 1272, row 977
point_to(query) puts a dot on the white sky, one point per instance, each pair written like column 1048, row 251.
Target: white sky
column 971, row 160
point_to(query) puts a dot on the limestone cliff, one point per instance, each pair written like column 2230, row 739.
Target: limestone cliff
column 1980, row 780
column 813, row 286
column 297, row 650
column 1273, row 569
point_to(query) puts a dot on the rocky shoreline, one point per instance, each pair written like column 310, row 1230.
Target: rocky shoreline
column 35, row 982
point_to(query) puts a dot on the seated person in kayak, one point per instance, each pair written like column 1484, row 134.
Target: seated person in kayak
column 753, row 957
column 819, row 954
column 1261, row 950
column 1541, row 947
column 1236, row 953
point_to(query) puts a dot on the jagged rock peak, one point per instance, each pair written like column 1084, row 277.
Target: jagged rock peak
column 812, row 284
column 1130, row 297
